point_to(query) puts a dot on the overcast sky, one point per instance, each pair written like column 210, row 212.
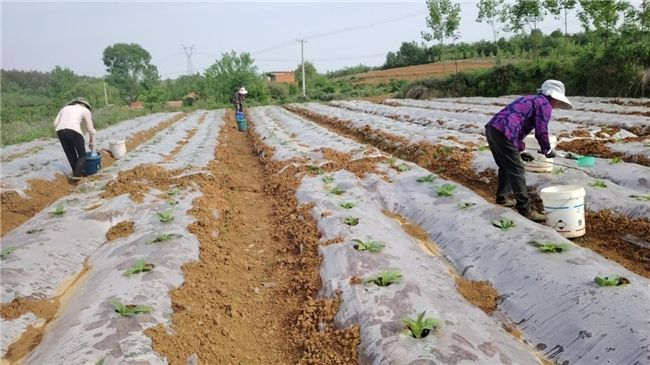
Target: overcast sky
column 39, row 36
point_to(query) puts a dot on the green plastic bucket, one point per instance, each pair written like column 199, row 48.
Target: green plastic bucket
column 241, row 125
column 586, row 161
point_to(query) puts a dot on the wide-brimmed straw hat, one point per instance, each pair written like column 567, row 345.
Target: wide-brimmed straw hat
column 80, row 100
column 555, row 89
column 243, row 91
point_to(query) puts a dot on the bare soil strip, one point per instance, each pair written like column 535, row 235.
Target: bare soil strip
column 15, row 210
column 605, row 230
column 250, row 299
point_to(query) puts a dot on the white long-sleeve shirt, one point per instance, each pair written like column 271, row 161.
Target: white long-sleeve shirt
column 71, row 117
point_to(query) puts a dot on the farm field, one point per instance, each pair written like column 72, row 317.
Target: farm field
column 314, row 235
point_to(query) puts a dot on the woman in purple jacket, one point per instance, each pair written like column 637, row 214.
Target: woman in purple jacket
column 505, row 133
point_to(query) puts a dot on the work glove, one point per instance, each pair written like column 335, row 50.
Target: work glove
column 527, row 157
column 549, row 154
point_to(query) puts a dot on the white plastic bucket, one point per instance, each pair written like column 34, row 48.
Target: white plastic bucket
column 540, row 163
column 118, row 149
column 565, row 209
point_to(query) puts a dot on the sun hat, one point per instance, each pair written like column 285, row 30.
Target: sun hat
column 80, row 100
column 243, row 91
column 555, row 89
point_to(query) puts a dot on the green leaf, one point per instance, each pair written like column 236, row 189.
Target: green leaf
column 174, row 192
column 482, row 148
column 550, row 247
column 612, row 280
column 100, row 362
column 504, row 223
column 129, row 310
column 446, row 189
column 347, row 205
column 426, row 178
column 466, row 205
column 163, row 237
column 59, row 210
column 421, row 326
column 370, row 246
column 6, row 252
column 558, row 171
column 641, row 197
column 599, row 184
column 336, row 191
column 403, row 167
column 328, row 179
column 615, row 160
column 166, row 216
column 351, row 221
column 314, row 169
column 386, row 278
column 140, row 266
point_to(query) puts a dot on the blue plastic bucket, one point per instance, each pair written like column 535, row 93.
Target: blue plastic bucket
column 239, row 116
column 93, row 163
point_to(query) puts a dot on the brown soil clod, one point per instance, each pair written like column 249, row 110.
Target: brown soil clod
column 122, row 229
column 479, row 293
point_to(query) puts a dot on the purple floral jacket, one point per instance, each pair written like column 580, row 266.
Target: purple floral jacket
column 523, row 115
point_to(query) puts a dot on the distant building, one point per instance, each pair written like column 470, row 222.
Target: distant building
column 282, row 77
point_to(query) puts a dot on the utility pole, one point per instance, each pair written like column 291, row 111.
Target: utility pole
column 105, row 94
column 188, row 54
column 302, row 60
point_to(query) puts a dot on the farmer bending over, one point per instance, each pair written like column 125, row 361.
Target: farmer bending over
column 68, row 128
column 238, row 99
column 505, row 133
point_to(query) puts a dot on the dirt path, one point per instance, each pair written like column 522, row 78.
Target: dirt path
column 248, row 299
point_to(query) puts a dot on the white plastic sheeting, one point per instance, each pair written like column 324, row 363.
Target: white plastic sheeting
column 44, row 159
column 551, row 297
column 51, row 250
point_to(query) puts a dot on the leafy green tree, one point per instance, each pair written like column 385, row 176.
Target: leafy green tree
column 443, row 21
column 560, row 9
column 154, row 96
column 130, row 70
column 492, row 12
column 231, row 72
column 527, row 12
column 601, row 16
column 644, row 16
column 310, row 72
column 63, row 80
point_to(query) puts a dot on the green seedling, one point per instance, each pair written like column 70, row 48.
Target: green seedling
column 391, row 161
column 446, row 189
column 6, row 252
column 166, row 216
column 641, row 198
column 351, row 221
column 139, row 267
column 466, row 205
column 100, row 362
column 328, row 179
column 370, row 246
column 174, row 192
column 615, row 160
column 386, row 278
column 314, row 170
column 172, row 202
column 58, row 211
column 446, row 150
column 35, row 230
column 599, row 184
column 348, row 205
column 129, row 310
column 421, row 326
column 403, row 167
column 550, row 247
column 482, row 148
column 558, row 171
column 426, row 178
column 612, row 280
column 163, row 237
column 504, row 223
column 336, row 191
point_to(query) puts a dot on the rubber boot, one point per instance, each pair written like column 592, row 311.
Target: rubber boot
column 79, row 167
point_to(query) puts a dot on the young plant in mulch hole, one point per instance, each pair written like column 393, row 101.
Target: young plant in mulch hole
column 314, row 170
column 59, row 210
column 391, row 161
column 163, row 237
column 615, row 160
column 140, row 266
column 403, row 167
column 426, row 178
column 550, row 247
column 641, row 197
column 370, row 245
column 558, row 171
column 611, row 280
column 482, row 148
column 35, row 230
column 172, row 202
column 6, row 252
column 385, row 278
column 173, row 192
column 466, row 205
column 505, row 224
column 166, row 216
column 129, row 310
column 599, row 184
column 348, row 205
column 336, row 191
column 422, row 326
column 446, row 189
column 328, row 179
column 351, row 221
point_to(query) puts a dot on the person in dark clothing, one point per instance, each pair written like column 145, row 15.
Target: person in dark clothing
column 68, row 128
column 505, row 133
column 238, row 99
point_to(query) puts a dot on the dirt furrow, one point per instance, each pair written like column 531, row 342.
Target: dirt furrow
column 250, row 299
column 15, row 209
column 455, row 164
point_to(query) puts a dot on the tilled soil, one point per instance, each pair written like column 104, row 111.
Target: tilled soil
column 250, row 299
column 15, row 210
column 122, row 229
column 605, row 230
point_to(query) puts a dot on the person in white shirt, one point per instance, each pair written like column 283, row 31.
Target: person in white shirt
column 68, row 129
